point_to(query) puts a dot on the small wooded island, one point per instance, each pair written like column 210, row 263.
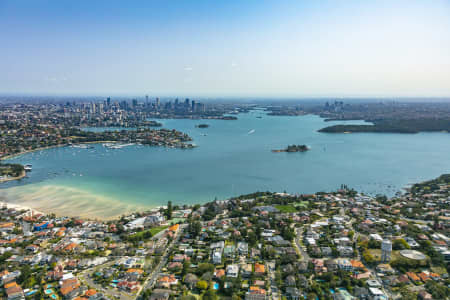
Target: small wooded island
column 202, row 126
column 293, row 148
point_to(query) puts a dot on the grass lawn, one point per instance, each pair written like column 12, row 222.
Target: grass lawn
column 439, row 270
column 176, row 220
column 286, row 208
column 155, row 230
column 377, row 254
column 302, row 204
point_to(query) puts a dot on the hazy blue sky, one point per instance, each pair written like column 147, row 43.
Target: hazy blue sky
column 222, row 48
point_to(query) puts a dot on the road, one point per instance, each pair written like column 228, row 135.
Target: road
column 153, row 276
column 298, row 237
column 110, row 292
column 119, row 294
column 386, row 290
column 425, row 222
column 273, row 289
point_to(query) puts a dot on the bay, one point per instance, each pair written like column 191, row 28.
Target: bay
column 232, row 158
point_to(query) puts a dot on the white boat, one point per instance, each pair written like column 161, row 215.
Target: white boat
column 118, row 146
column 28, row 168
column 251, row 131
column 82, row 146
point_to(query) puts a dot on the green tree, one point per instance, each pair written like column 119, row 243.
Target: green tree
column 312, row 296
column 169, row 210
column 25, row 273
column 205, row 267
column 438, row 291
column 195, row 227
column 368, row 257
column 400, row 244
column 210, row 295
column 351, row 234
column 202, row 285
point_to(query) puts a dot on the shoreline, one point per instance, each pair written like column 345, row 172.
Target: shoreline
column 89, row 214
column 10, row 156
column 22, row 175
column 8, row 205
column 71, row 202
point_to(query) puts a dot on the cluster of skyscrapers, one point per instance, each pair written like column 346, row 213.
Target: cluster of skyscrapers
column 177, row 106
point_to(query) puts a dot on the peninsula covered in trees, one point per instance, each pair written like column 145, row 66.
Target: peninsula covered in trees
column 393, row 126
column 384, row 115
column 11, row 171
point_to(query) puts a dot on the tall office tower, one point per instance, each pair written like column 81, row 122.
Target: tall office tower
column 386, row 250
column 146, row 100
column 157, row 103
column 193, row 105
column 93, row 108
column 108, row 101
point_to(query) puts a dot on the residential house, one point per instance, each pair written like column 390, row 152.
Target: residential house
column 232, row 271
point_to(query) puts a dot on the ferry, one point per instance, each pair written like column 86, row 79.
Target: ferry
column 28, row 168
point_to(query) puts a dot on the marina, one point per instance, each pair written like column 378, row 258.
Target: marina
column 117, row 145
column 226, row 162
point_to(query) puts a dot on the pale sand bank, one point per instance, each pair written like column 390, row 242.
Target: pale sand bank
column 6, row 179
column 19, row 207
column 67, row 201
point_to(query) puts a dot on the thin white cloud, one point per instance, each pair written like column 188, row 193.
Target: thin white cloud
column 188, row 69
column 55, row 79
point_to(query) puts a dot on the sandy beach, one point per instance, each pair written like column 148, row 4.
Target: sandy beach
column 68, row 201
column 14, row 178
column 15, row 206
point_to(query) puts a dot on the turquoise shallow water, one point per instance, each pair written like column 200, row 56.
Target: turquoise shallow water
column 233, row 158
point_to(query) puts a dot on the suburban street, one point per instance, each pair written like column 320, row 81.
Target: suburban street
column 298, row 238
column 153, row 276
column 273, row 289
column 85, row 277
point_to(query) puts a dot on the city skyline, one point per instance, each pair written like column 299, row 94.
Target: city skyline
column 264, row 49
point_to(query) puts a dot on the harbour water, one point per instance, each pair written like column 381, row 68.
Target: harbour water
column 232, row 158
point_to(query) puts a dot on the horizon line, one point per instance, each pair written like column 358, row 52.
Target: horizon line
column 212, row 96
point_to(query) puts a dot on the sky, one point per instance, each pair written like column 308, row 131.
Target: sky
column 297, row 48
